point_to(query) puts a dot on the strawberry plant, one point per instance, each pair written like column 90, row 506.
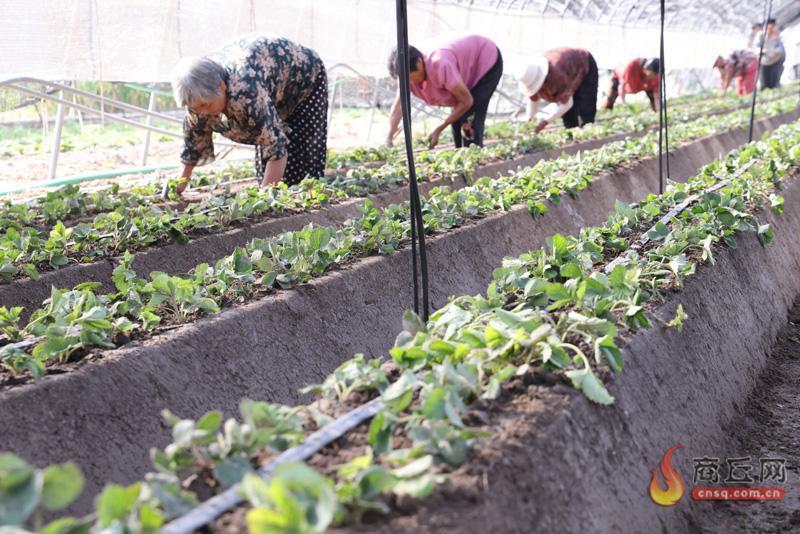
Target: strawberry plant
column 135, row 223
column 198, row 448
column 561, row 307
column 294, row 257
column 27, row 493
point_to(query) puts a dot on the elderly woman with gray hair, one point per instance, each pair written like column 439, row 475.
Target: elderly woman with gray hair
column 271, row 93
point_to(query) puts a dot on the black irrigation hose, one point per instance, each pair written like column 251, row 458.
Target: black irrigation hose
column 663, row 126
column 417, row 222
column 209, row 510
column 767, row 15
column 214, row 507
column 674, row 212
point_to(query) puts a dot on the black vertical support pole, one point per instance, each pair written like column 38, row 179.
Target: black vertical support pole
column 417, row 222
column 767, row 15
column 663, row 75
column 662, row 112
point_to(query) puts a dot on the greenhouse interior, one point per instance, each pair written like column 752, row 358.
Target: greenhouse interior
column 532, row 272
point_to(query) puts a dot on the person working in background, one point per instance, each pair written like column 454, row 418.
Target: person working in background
column 567, row 78
column 773, row 58
column 754, row 39
column 463, row 75
column 641, row 74
column 742, row 65
column 271, row 93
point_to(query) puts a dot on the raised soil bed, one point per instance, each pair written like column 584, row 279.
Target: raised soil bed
column 176, row 258
column 558, row 463
column 105, row 414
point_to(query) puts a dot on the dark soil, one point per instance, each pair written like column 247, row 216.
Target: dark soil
column 539, row 396
column 255, row 351
column 8, row 378
column 534, row 401
column 204, row 246
column 768, row 426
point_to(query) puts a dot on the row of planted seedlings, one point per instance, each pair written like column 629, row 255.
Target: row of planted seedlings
column 66, row 201
column 632, row 116
column 639, row 115
column 505, row 129
column 632, row 113
column 297, row 256
column 84, row 320
column 636, row 115
column 509, row 128
column 70, row 202
column 25, row 251
column 562, row 308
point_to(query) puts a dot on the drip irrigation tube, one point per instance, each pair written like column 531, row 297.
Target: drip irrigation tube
column 209, row 510
column 218, row 505
column 674, row 212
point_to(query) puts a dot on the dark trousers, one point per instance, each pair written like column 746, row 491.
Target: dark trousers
column 481, row 95
column 308, row 136
column 584, row 101
column 771, row 75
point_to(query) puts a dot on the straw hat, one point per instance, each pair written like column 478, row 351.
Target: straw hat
column 532, row 76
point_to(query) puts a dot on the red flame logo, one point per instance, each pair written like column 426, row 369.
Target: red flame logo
column 672, row 478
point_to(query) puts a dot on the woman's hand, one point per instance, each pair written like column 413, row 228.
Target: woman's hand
column 183, row 182
column 273, row 173
column 541, row 126
column 182, row 179
column 465, row 101
column 433, row 140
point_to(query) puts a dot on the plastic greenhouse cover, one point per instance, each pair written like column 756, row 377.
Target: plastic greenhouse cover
column 141, row 40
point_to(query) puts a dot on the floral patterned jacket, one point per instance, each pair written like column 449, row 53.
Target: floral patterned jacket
column 265, row 80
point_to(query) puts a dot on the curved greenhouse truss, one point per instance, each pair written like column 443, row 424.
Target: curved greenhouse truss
column 140, row 41
column 714, row 15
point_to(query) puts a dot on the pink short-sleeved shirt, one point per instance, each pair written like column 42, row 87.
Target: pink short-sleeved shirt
column 466, row 59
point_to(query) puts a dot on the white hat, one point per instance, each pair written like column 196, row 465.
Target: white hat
column 532, row 76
